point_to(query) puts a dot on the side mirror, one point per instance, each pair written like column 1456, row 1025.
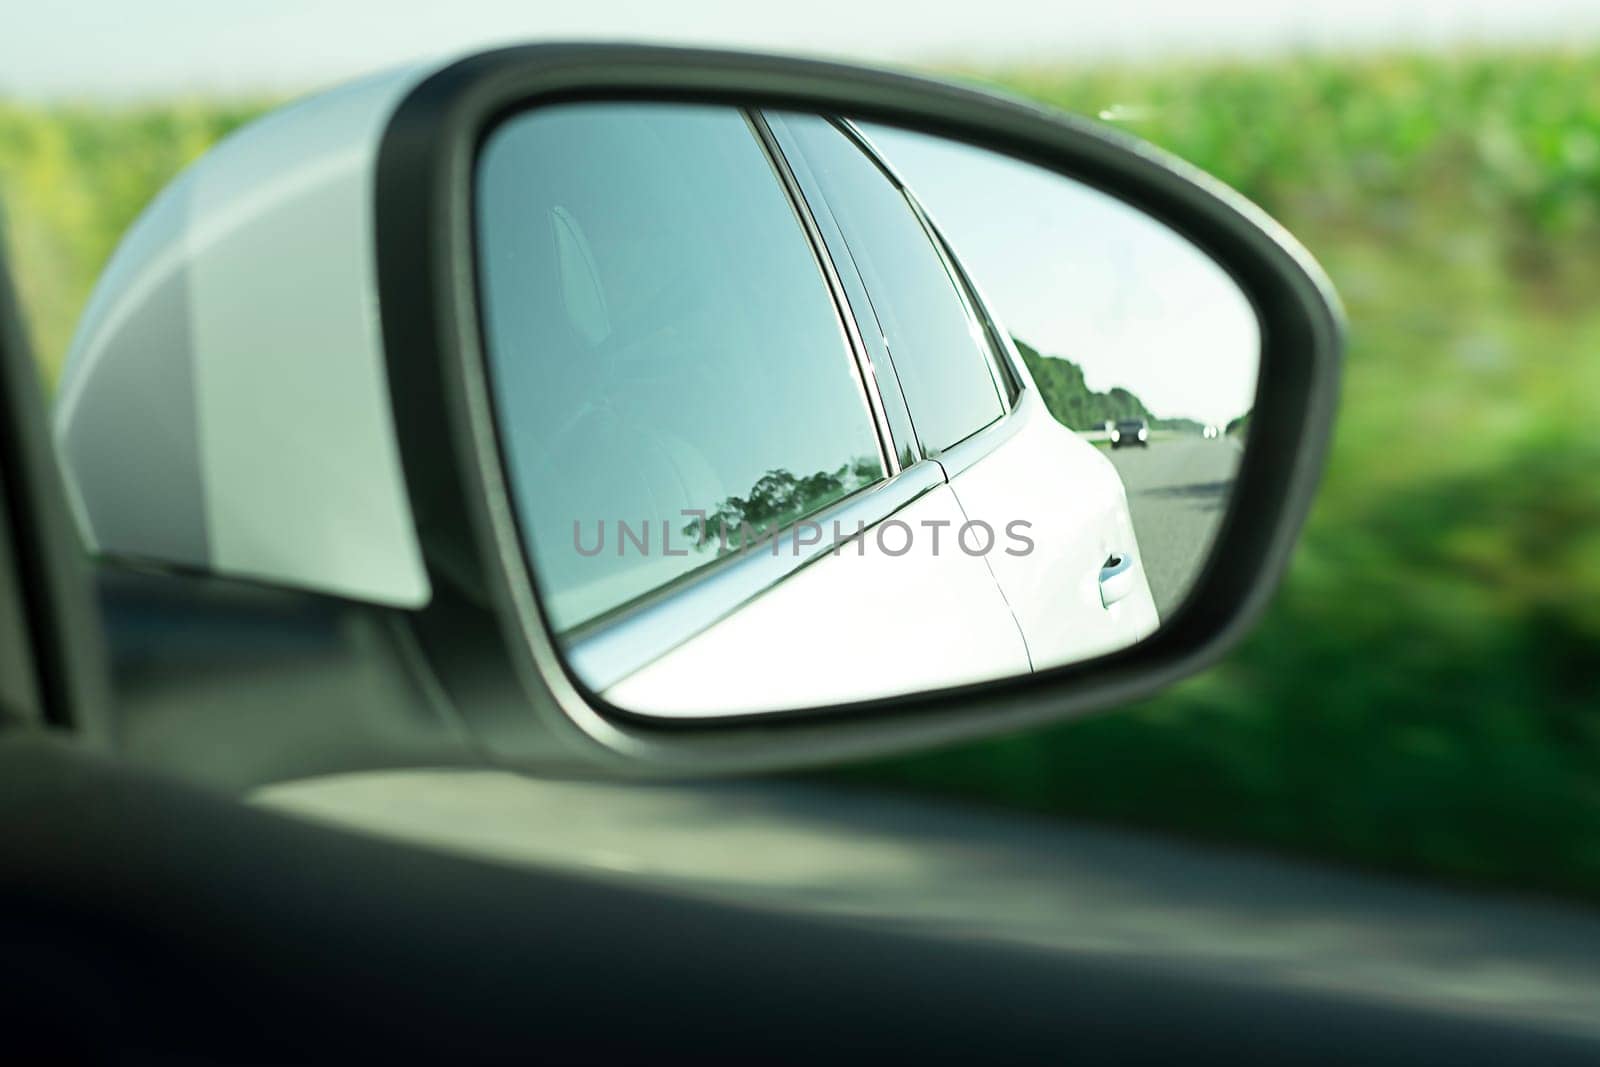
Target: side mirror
column 701, row 412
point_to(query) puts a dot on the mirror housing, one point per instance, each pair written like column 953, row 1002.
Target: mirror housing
column 308, row 290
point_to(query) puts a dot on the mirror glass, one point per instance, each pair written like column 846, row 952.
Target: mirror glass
column 798, row 411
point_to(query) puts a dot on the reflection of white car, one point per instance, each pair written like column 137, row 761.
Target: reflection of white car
column 673, row 324
column 1062, row 580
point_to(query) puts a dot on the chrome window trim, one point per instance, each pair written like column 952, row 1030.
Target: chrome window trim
column 981, row 338
column 977, row 329
column 866, row 377
column 859, row 136
column 655, row 626
column 1011, row 382
column 834, row 241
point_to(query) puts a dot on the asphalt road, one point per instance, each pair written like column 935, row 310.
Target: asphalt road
column 1177, row 493
column 958, row 871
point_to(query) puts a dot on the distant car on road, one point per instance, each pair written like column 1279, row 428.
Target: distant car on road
column 1128, row 433
column 1210, row 432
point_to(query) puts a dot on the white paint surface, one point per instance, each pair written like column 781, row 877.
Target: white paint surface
column 845, row 628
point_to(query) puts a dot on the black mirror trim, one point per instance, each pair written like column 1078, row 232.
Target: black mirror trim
column 484, row 633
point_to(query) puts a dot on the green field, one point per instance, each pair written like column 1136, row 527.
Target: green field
column 1425, row 693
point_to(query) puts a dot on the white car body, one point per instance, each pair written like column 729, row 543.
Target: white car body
column 858, row 627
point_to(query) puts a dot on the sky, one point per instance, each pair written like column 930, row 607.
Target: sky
column 1076, row 273
column 153, row 48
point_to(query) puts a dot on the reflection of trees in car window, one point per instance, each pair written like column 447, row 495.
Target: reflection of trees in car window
column 778, row 499
column 659, row 334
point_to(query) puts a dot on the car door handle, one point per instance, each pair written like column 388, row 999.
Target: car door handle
column 1116, row 578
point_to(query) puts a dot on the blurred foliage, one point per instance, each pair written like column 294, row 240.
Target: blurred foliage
column 72, row 179
column 1424, row 694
